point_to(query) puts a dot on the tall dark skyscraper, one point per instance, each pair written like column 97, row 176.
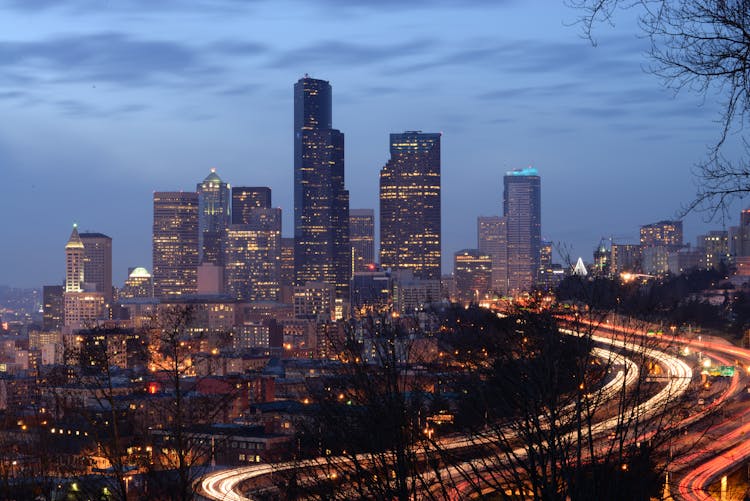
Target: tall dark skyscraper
column 214, row 217
column 97, row 263
column 410, row 205
column 53, row 308
column 362, row 238
column 175, row 243
column 245, row 199
column 321, row 202
column 522, row 208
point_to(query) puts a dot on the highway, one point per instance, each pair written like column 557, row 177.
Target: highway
column 226, row 484
column 727, row 450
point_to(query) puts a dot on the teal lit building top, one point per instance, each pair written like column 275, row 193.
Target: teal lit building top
column 528, row 171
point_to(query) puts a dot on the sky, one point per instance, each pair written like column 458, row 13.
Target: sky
column 104, row 102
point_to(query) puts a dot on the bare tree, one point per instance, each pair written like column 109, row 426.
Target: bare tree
column 552, row 416
column 700, row 46
column 368, row 419
column 181, row 452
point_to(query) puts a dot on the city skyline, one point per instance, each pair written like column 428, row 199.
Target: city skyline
column 123, row 113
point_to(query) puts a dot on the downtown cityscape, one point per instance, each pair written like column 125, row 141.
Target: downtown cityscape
column 350, row 348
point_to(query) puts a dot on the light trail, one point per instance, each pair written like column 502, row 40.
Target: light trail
column 727, row 452
column 222, row 485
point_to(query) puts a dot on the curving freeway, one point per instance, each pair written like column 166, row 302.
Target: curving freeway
column 225, row 484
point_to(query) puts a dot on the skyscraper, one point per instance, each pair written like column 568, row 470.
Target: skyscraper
column 97, row 263
column 522, row 208
column 80, row 307
column 362, row 238
column 253, row 256
column 214, row 217
column 492, row 240
column 286, row 272
column 663, row 233
column 139, row 284
column 473, row 271
column 53, row 307
column 175, row 243
column 245, row 198
column 715, row 245
column 410, row 205
column 74, row 262
column 321, row 202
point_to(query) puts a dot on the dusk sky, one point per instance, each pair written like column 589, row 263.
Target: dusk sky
column 105, row 101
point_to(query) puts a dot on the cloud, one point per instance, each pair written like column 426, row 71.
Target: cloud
column 212, row 5
column 334, row 52
column 239, row 48
column 109, row 57
column 601, row 111
column 98, row 6
column 239, row 90
column 531, row 91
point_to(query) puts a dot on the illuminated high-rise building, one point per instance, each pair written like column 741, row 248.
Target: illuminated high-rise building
column 74, row 262
column 286, row 272
column 245, row 199
column 175, row 243
column 214, row 216
column 715, row 247
column 626, row 258
column 741, row 235
column 492, row 240
column 664, row 233
column 321, row 202
column 139, row 284
column 410, row 205
column 81, row 307
column 522, row 208
column 658, row 241
column 253, row 256
column 362, row 238
column 53, row 310
column 97, row 263
column 473, row 271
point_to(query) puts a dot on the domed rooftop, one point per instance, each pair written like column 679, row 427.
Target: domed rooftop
column 140, row 272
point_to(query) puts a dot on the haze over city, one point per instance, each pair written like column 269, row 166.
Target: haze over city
column 105, row 103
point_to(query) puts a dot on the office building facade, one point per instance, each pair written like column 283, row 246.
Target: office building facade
column 252, row 269
column 522, row 208
column 213, row 219
column 410, row 232
column 362, row 238
column 473, row 271
column 175, row 243
column 97, row 263
column 321, row 202
column 492, row 240
column 81, row 308
column 247, row 198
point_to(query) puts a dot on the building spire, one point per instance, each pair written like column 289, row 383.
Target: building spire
column 74, row 242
